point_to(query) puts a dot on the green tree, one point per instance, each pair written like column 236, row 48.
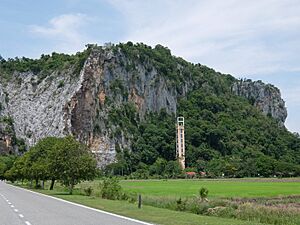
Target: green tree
column 43, row 166
column 158, row 167
column 6, row 162
column 18, row 170
column 173, row 169
column 73, row 162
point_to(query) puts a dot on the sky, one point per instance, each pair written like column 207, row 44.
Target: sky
column 258, row 39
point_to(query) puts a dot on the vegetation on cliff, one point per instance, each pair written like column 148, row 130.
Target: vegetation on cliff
column 44, row 65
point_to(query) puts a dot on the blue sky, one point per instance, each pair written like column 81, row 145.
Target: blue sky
column 257, row 39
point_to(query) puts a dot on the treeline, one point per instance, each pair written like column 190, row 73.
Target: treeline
column 62, row 159
column 45, row 64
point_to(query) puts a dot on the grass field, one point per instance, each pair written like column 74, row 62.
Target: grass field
column 217, row 188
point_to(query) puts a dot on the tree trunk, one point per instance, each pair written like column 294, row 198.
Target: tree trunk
column 52, row 183
column 71, row 189
column 31, row 183
column 43, row 184
column 36, row 183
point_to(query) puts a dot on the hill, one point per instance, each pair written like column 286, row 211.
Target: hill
column 122, row 101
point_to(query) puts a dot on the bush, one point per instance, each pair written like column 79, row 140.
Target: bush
column 180, row 205
column 196, row 207
column 203, row 193
column 88, row 191
column 111, row 189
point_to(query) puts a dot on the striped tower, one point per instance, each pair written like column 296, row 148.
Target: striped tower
column 180, row 142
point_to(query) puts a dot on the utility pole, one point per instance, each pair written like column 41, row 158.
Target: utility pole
column 180, row 142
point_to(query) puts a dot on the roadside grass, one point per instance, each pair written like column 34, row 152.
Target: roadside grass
column 231, row 201
column 151, row 214
column 146, row 213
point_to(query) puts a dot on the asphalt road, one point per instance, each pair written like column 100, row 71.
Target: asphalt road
column 19, row 206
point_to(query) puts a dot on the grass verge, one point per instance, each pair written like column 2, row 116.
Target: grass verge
column 146, row 213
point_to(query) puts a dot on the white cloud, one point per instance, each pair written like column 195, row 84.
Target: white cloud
column 65, row 31
column 293, row 105
column 255, row 39
column 239, row 37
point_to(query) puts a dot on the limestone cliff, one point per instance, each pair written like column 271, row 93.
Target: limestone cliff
column 83, row 103
column 265, row 97
column 65, row 103
column 6, row 125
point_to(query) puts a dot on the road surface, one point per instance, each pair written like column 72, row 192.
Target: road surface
column 22, row 207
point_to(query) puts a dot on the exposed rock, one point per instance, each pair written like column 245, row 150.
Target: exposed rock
column 37, row 108
column 104, row 79
column 6, row 126
column 265, row 97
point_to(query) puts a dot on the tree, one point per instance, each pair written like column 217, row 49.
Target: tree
column 2, row 60
column 36, row 162
column 6, row 162
column 43, row 150
column 173, row 169
column 54, row 158
column 18, row 170
column 73, row 162
column 158, row 167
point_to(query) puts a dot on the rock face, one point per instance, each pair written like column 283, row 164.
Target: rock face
column 105, row 86
column 65, row 102
column 265, row 97
column 6, row 126
column 37, row 108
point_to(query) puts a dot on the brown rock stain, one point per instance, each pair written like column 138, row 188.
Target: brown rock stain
column 138, row 100
column 101, row 97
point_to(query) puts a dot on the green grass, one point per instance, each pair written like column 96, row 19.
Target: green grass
column 159, row 196
column 147, row 213
column 217, row 188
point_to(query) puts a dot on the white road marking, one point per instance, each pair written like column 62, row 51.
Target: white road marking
column 86, row 207
column 16, row 210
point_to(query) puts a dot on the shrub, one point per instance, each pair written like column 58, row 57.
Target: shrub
column 88, row 191
column 180, row 205
column 203, row 193
column 111, row 189
column 194, row 206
